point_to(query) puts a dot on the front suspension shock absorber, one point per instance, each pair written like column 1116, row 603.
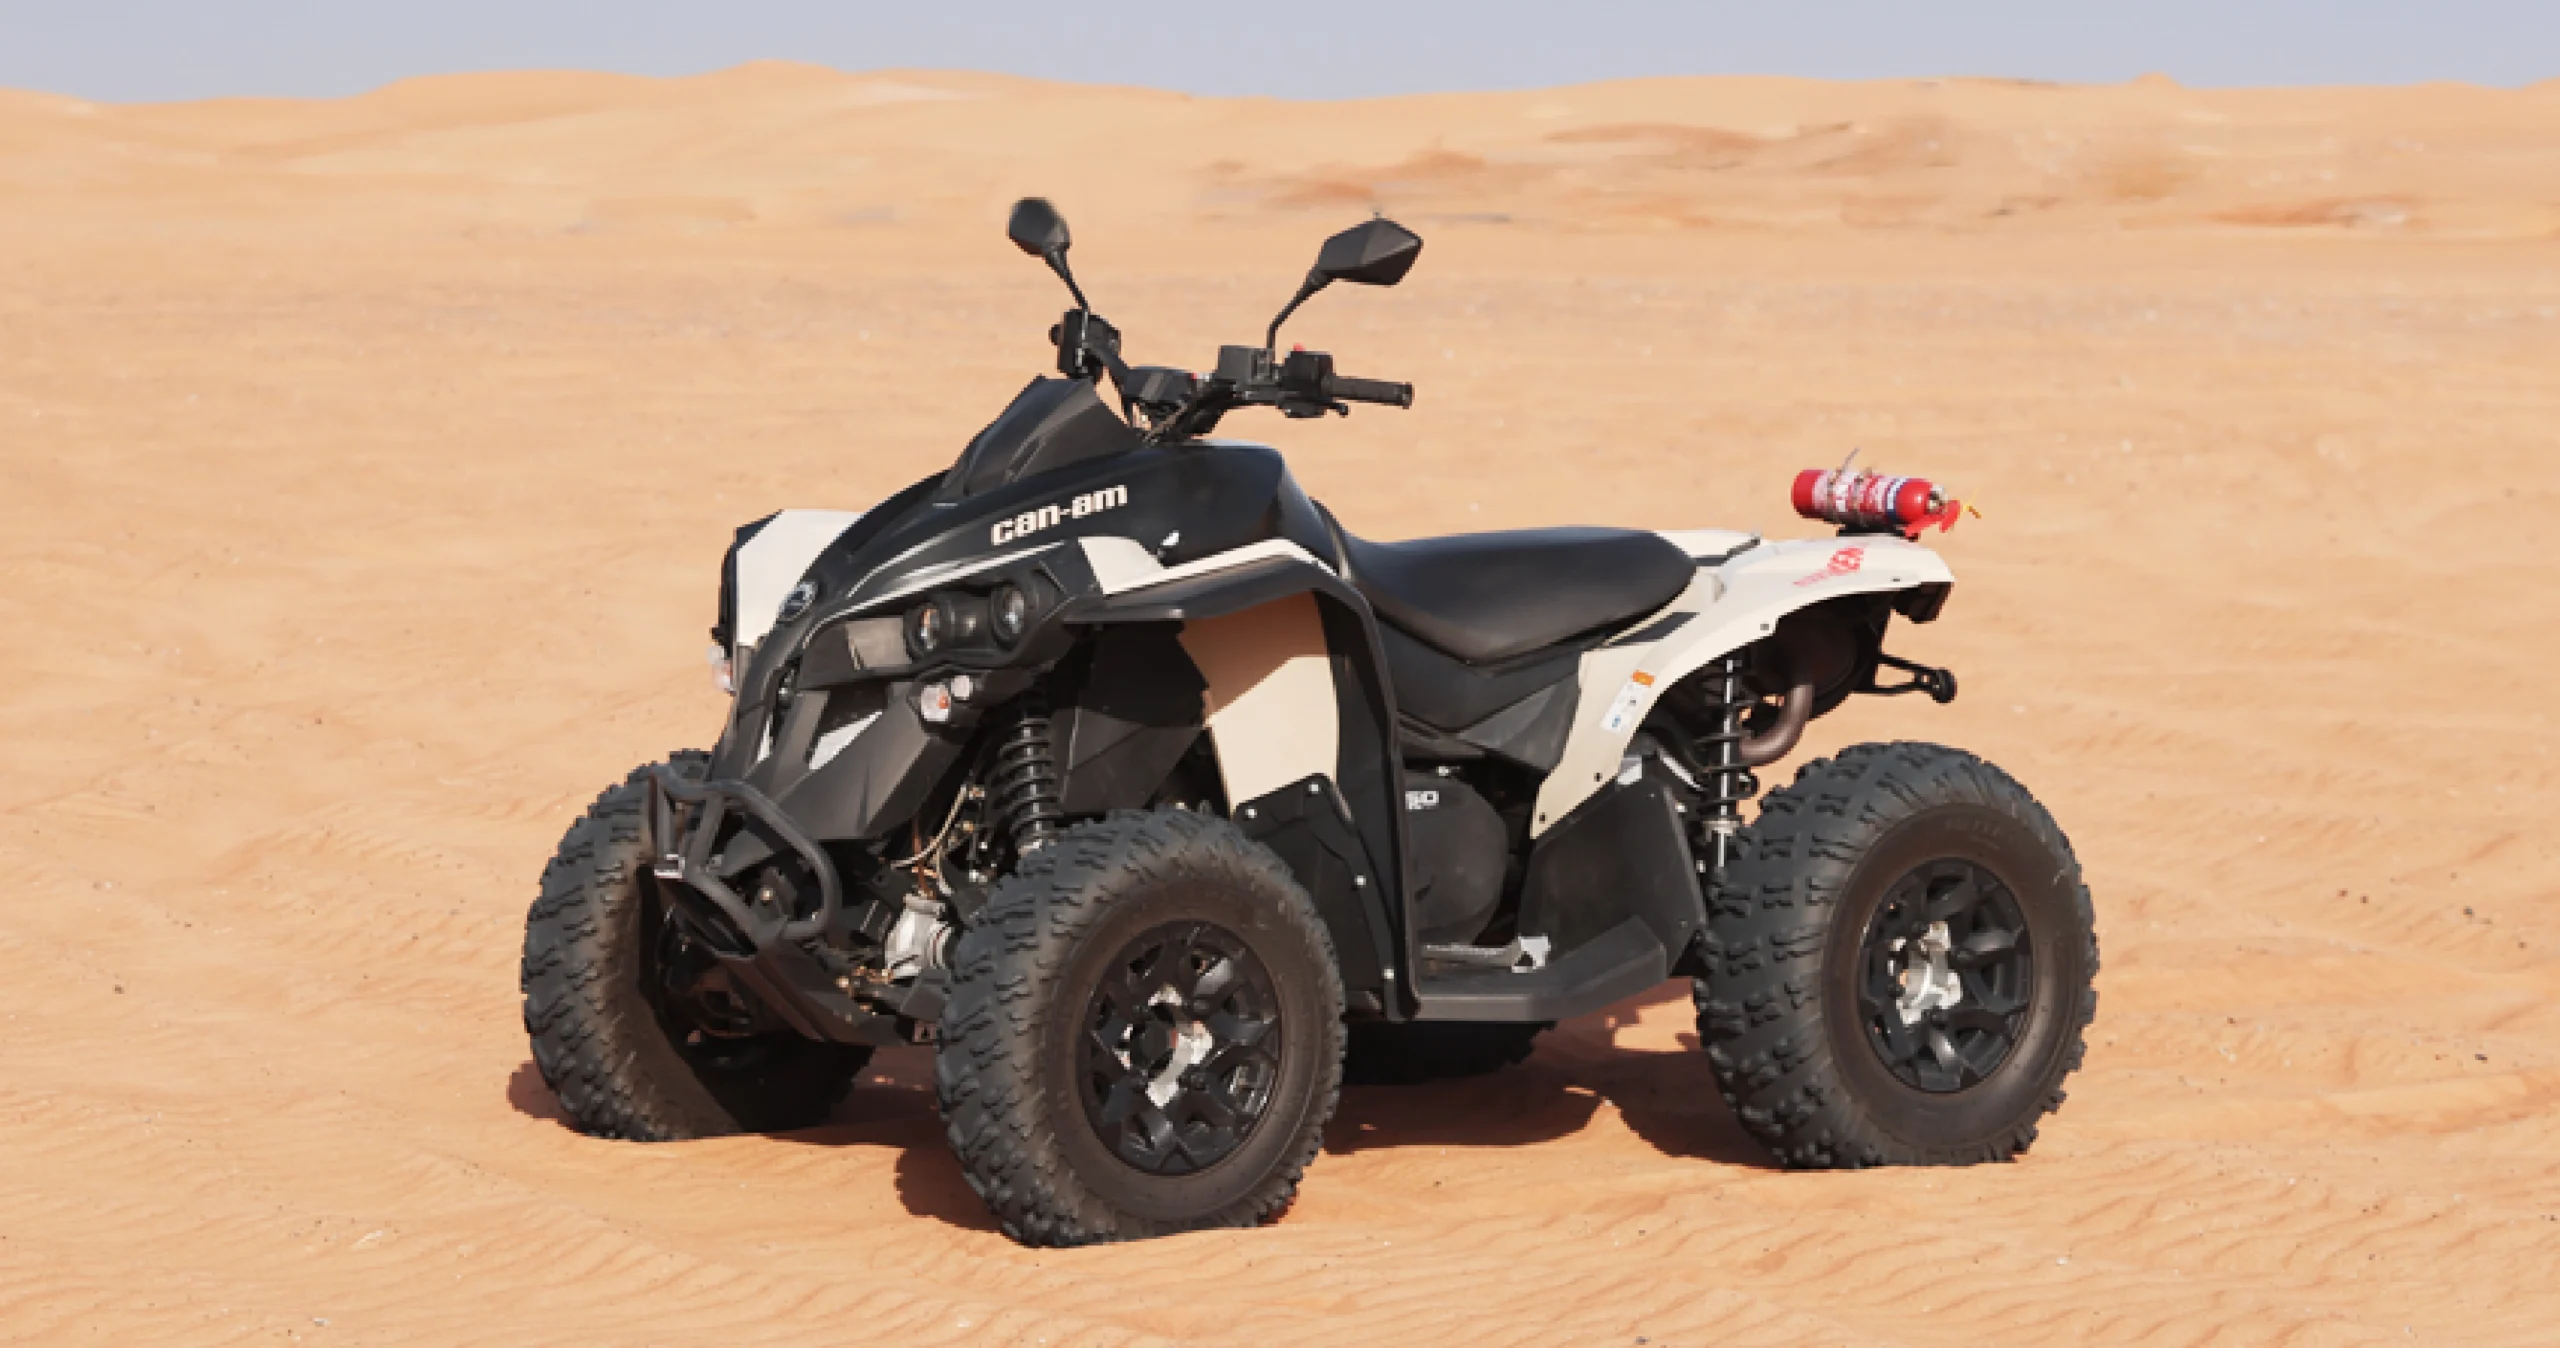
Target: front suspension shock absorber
column 1728, row 783
column 1023, row 782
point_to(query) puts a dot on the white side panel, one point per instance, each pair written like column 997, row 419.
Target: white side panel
column 1272, row 713
column 1119, row 563
column 1733, row 605
column 773, row 561
column 1124, row 573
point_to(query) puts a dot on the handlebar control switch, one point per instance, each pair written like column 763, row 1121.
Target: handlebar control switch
column 1160, row 386
column 1086, row 343
column 1244, row 366
column 1306, row 373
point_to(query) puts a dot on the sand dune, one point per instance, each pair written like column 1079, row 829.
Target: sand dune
column 364, row 464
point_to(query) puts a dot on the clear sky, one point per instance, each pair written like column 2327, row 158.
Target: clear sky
column 140, row 50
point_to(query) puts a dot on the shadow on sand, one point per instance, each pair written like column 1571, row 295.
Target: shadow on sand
column 1666, row 1098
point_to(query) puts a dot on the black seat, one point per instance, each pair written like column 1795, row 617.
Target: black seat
column 1487, row 597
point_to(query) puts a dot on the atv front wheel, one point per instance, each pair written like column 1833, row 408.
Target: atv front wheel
column 634, row 1049
column 1898, row 964
column 1143, row 1034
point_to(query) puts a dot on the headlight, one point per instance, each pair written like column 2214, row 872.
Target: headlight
column 1010, row 614
column 927, row 628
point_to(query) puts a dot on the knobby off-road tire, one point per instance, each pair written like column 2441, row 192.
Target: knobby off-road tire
column 1381, row 1053
column 617, row 1054
column 1807, row 1010
column 1100, row 1072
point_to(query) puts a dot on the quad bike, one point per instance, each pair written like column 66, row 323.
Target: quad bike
column 1111, row 765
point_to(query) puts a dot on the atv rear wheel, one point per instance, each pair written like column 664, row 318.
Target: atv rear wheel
column 1143, row 1034
column 631, row 1054
column 1409, row 1053
column 1899, row 960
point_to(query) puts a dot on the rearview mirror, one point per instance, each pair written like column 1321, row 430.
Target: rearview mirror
column 1372, row 253
column 1036, row 228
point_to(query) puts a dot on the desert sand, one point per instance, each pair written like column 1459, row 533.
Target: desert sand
column 365, row 465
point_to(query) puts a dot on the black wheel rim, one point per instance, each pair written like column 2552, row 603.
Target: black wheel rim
column 1946, row 974
column 1181, row 1048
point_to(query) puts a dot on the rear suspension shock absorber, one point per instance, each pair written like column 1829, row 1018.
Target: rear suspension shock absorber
column 1023, row 783
column 1728, row 783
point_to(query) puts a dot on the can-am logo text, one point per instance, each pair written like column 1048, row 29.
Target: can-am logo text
column 1076, row 508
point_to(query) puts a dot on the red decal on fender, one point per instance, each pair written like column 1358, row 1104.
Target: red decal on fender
column 1842, row 563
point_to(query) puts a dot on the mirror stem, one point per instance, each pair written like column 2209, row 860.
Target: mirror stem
column 1315, row 281
column 1058, row 263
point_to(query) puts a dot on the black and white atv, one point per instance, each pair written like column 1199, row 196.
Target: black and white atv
column 1109, row 763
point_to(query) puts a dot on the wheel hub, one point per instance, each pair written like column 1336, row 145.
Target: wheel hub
column 1928, row 982
column 1181, row 1049
column 1171, row 1044
column 1947, row 972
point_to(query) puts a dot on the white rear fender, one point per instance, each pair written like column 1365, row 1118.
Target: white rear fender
column 1727, row 607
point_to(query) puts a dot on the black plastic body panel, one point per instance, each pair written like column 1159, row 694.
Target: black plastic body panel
column 876, row 782
column 1614, row 889
column 1050, row 424
column 1445, row 693
column 1310, row 826
column 1624, row 854
column 1460, row 854
column 1531, row 732
column 1134, row 712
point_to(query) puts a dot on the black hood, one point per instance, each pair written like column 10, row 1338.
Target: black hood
column 1050, row 424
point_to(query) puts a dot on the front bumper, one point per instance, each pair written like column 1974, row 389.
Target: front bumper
column 782, row 974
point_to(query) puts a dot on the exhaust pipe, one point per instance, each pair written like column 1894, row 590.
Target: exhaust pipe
column 1778, row 740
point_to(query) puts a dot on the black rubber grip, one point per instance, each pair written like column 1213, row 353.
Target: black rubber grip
column 1352, row 390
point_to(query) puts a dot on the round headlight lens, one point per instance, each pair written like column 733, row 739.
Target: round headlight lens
column 1010, row 613
column 927, row 628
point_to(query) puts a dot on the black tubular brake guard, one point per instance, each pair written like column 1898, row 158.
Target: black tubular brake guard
column 1939, row 684
column 692, row 867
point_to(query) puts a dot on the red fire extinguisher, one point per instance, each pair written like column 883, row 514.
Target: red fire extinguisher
column 1864, row 499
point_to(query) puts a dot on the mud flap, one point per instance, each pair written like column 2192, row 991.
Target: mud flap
column 1309, row 825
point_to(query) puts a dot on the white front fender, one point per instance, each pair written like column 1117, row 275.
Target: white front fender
column 771, row 562
column 1727, row 607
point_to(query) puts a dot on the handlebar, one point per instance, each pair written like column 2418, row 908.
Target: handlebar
column 1179, row 405
column 1381, row 391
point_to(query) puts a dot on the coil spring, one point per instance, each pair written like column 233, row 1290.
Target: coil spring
column 1728, row 782
column 1022, row 783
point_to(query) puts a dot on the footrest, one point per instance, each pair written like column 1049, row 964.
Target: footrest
column 1615, row 965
